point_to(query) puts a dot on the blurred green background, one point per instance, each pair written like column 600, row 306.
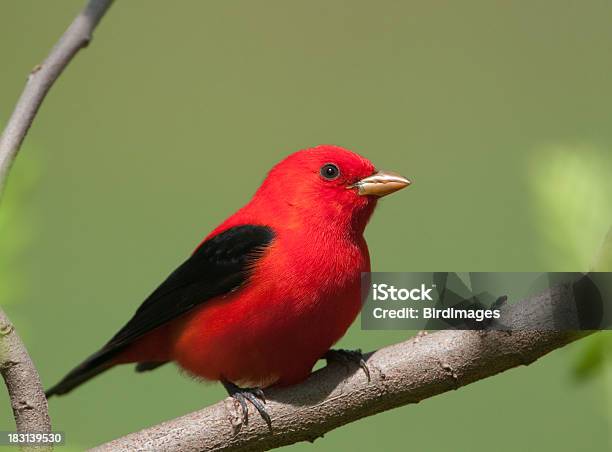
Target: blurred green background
column 166, row 124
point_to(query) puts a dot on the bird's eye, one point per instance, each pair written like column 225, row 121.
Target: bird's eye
column 330, row 171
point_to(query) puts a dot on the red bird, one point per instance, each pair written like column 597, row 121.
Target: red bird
column 269, row 291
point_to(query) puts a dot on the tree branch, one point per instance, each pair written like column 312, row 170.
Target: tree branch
column 405, row 373
column 21, row 378
column 25, row 391
column 42, row 77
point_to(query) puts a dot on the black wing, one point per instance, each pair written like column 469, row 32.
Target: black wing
column 219, row 266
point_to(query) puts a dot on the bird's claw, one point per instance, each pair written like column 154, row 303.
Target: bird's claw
column 254, row 395
column 348, row 357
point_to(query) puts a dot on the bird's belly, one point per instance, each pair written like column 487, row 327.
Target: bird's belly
column 264, row 336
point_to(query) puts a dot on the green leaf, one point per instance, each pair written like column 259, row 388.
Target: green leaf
column 594, row 353
column 573, row 200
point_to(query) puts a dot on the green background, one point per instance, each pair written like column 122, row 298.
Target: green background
column 167, row 123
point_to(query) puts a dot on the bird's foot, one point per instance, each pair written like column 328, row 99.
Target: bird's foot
column 243, row 395
column 347, row 357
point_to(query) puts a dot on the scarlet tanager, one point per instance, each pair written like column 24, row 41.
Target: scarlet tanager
column 269, row 291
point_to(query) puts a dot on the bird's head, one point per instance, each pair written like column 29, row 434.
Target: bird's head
column 329, row 182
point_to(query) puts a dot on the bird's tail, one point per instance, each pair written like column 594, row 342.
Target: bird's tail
column 92, row 366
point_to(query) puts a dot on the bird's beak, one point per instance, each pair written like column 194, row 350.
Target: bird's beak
column 381, row 184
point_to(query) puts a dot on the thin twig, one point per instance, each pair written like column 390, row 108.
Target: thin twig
column 42, row 77
column 404, row 373
column 19, row 373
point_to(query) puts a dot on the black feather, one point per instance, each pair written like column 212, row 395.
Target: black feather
column 220, row 265
column 147, row 366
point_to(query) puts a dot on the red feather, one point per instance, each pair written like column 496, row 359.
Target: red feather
column 271, row 289
column 302, row 295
